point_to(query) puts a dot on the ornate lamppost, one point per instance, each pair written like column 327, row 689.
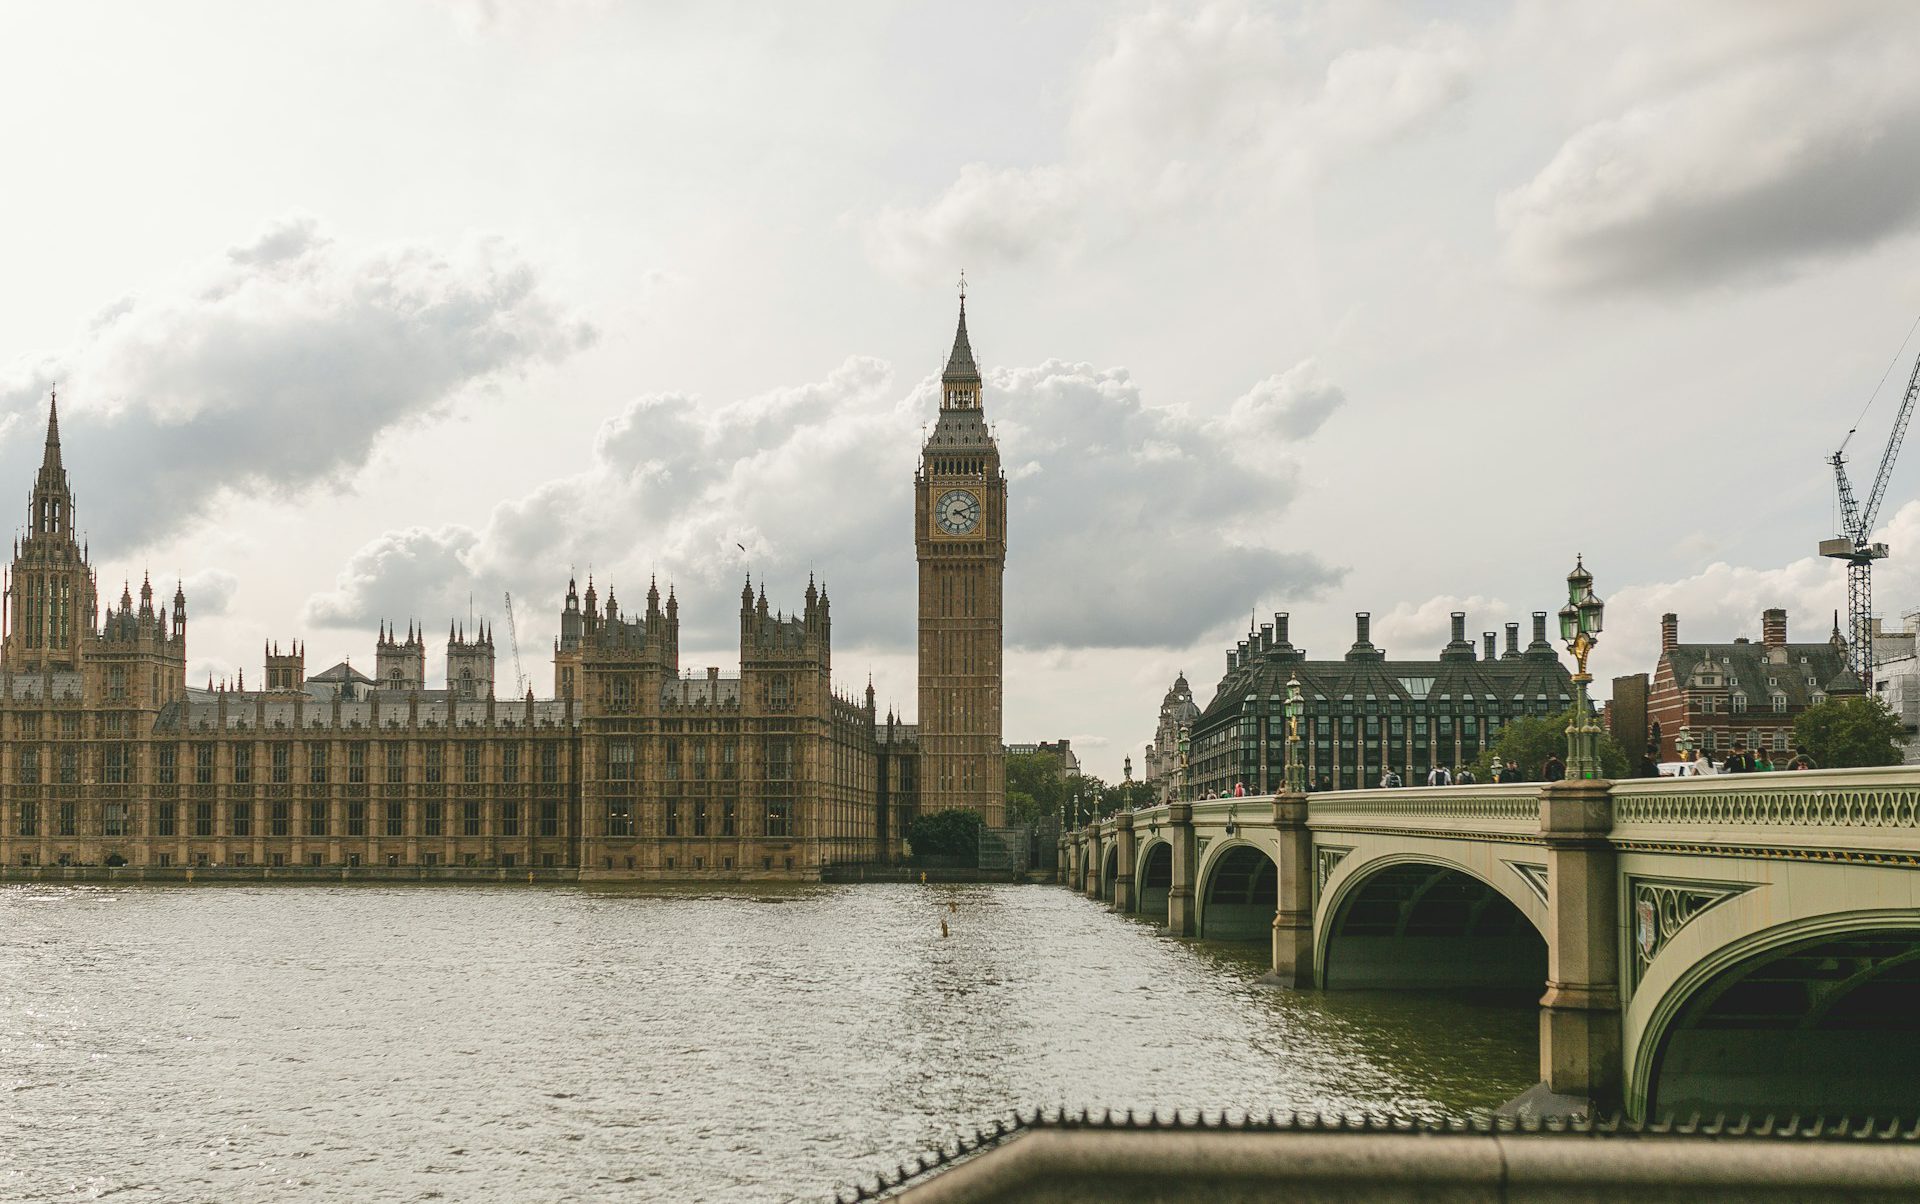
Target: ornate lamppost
column 1295, row 709
column 1580, row 628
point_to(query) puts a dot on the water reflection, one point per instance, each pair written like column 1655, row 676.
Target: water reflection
column 381, row 1042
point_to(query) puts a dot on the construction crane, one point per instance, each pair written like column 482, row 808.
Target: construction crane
column 513, row 635
column 1854, row 544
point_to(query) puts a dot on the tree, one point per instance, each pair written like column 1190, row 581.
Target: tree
column 954, row 833
column 1845, row 732
column 1035, row 780
column 1530, row 740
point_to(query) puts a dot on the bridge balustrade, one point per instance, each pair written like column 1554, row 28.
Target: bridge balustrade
column 1662, row 904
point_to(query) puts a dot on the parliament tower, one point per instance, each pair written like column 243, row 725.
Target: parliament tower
column 960, row 540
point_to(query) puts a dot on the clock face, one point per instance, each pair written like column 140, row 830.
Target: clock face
column 957, row 512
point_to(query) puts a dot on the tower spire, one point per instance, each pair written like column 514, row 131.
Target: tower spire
column 960, row 365
column 50, row 462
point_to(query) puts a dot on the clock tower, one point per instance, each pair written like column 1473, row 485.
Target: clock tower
column 960, row 541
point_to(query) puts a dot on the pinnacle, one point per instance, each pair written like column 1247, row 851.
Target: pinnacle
column 960, row 365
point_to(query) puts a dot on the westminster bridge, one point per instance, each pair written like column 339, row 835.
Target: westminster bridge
column 1743, row 943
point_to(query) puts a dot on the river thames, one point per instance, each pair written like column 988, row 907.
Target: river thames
column 234, row 1043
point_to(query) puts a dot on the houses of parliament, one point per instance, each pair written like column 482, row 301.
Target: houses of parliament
column 633, row 768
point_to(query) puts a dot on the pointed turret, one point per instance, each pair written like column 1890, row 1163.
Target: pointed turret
column 960, row 365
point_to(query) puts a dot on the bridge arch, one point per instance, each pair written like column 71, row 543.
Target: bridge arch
column 1425, row 920
column 1153, row 879
column 1109, row 870
column 1817, row 1014
column 1239, row 893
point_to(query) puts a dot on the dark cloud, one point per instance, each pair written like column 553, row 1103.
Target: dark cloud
column 276, row 373
column 1758, row 170
column 1132, row 525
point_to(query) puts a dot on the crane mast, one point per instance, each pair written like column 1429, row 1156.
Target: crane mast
column 513, row 634
column 1855, row 543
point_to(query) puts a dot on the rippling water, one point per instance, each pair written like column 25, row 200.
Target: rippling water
column 473, row 1043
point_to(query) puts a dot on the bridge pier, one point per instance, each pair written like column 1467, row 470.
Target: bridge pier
column 1091, row 884
column 1293, row 908
column 1126, row 846
column 1180, row 901
column 1580, row 1038
column 1075, row 842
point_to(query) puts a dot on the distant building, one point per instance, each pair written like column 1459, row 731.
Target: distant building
column 1900, row 643
column 1059, row 750
column 1743, row 690
column 1162, row 762
column 1365, row 713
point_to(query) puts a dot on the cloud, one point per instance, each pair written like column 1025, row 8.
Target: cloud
column 1722, row 600
column 275, row 371
column 1791, row 145
column 1290, row 405
column 1181, row 105
column 1131, row 525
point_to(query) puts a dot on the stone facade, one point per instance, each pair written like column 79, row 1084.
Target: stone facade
column 635, row 768
column 1162, row 763
column 960, row 539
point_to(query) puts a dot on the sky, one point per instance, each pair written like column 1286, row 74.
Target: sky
column 381, row 311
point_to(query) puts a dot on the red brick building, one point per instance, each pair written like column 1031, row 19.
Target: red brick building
column 1742, row 690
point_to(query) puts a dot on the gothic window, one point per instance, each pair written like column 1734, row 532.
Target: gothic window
column 70, row 766
column 30, row 818
column 779, row 759
column 356, row 818
column 470, row 761
column 779, row 695
column 242, row 765
column 779, row 817
column 549, row 771
column 727, row 809
column 316, row 817
column 396, row 763
column 549, row 818
column 470, row 817
column 166, row 820
column 317, row 762
column 396, row 817
column 28, row 768
column 203, row 819
column 436, row 762
column 729, row 752
column 619, row 815
column 164, row 771
column 510, row 817
column 280, row 818
column 282, row 768
column 117, row 682
column 435, row 816
column 69, row 821
column 510, row 763
column 242, row 818
column 357, row 762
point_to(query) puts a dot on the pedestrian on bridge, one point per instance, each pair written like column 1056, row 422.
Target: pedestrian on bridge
column 1555, row 770
column 1464, row 776
column 1438, row 776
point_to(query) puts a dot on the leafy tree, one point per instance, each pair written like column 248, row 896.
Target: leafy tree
column 1035, row 777
column 954, row 833
column 1530, row 740
column 1845, row 732
column 1022, row 809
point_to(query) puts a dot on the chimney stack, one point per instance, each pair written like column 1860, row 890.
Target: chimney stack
column 1280, row 627
column 1513, row 641
column 1266, row 636
column 1362, row 627
column 1773, row 624
column 1669, row 631
column 1459, row 626
column 1488, row 638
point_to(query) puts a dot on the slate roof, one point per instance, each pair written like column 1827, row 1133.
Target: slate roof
column 1745, row 669
column 1529, row 676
